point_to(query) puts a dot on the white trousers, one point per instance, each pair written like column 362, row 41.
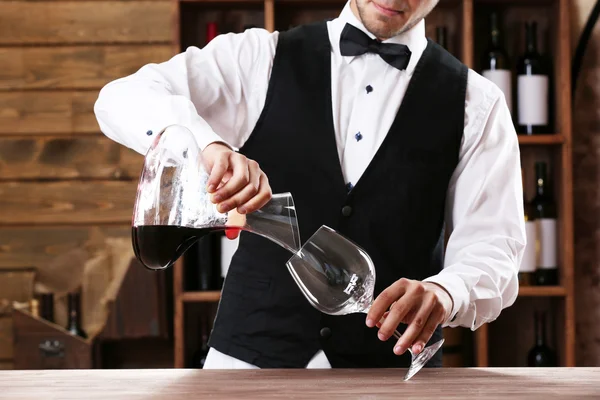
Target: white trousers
column 217, row 360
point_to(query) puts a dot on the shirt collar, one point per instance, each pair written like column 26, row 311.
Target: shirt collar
column 414, row 38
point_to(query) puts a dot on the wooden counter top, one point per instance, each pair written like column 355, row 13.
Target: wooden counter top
column 172, row 384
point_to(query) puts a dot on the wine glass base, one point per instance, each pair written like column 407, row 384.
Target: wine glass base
column 421, row 359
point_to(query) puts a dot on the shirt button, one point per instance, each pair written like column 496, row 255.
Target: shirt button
column 149, row 133
column 346, row 211
column 369, row 89
column 358, row 137
column 325, row 333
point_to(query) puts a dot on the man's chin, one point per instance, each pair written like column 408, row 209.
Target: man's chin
column 381, row 28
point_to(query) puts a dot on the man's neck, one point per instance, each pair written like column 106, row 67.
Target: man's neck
column 354, row 9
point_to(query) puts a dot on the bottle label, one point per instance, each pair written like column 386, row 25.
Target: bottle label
column 533, row 99
column 502, row 79
column 528, row 263
column 228, row 248
column 548, row 239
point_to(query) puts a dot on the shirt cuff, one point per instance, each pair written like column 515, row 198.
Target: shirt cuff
column 204, row 134
column 455, row 286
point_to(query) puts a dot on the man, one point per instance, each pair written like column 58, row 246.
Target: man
column 378, row 133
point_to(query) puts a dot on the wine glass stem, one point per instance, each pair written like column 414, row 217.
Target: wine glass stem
column 397, row 335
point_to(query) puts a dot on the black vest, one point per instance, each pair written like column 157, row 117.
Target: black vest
column 395, row 211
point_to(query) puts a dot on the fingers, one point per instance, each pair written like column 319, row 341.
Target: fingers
column 261, row 198
column 422, row 307
column 385, row 299
column 416, row 327
column 237, row 182
column 399, row 311
column 435, row 318
column 255, row 194
column 238, row 199
column 252, row 189
column 384, row 317
column 217, row 172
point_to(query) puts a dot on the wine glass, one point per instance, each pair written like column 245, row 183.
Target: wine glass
column 173, row 208
column 338, row 277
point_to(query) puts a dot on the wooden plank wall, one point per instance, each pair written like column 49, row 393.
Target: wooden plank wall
column 60, row 178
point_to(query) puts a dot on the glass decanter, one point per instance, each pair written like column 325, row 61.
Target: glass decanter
column 173, row 208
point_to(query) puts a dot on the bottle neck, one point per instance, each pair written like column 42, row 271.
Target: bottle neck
column 495, row 38
column 525, row 202
column 204, row 329
column 212, row 31
column 541, row 186
column 541, row 180
column 540, row 336
column 531, row 37
column 74, row 315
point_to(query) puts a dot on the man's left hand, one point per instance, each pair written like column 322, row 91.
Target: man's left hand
column 421, row 305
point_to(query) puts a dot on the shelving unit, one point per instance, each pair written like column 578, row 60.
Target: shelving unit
column 504, row 342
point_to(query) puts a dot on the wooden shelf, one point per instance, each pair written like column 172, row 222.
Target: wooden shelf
column 516, row 2
column 311, row 3
column 542, row 291
column 240, row 3
column 200, row 297
column 541, row 139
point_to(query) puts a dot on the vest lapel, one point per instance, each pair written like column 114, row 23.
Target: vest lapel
column 323, row 109
column 396, row 127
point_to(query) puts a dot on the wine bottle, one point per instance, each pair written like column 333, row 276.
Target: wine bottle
column 495, row 64
column 441, row 33
column 212, row 31
column 545, row 216
column 528, row 264
column 74, row 324
column 208, row 271
column 541, row 355
column 532, row 87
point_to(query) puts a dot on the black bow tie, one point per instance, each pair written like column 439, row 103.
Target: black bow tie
column 354, row 42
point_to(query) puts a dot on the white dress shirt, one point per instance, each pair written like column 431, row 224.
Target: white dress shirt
column 218, row 92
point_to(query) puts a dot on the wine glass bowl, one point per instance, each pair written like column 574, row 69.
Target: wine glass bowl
column 173, row 208
column 335, row 282
column 338, row 277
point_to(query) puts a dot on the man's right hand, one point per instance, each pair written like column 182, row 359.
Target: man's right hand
column 235, row 182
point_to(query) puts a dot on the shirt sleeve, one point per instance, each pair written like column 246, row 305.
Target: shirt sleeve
column 484, row 214
column 217, row 92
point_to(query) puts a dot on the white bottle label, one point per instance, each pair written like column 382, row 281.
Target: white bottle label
column 528, row 263
column 228, row 248
column 533, row 99
column 548, row 239
column 502, row 78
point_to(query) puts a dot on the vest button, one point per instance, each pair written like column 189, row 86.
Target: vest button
column 346, row 211
column 325, row 333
